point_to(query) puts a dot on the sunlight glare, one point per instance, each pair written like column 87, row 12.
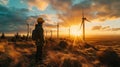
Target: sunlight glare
column 75, row 31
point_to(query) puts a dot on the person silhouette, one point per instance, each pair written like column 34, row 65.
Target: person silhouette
column 38, row 37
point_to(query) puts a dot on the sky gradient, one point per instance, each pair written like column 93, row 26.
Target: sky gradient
column 103, row 14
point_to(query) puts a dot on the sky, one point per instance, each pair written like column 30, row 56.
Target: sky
column 104, row 15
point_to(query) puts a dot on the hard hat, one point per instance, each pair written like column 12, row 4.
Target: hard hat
column 40, row 20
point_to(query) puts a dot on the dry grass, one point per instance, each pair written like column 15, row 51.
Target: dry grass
column 60, row 53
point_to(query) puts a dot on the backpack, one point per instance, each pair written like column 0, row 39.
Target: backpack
column 34, row 35
column 37, row 35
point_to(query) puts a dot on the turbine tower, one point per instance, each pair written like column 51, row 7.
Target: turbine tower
column 51, row 33
column 69, row 32
column 83, row 24
column 57, row 30
column 28, row 30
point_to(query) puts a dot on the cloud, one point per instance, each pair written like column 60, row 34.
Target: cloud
column 101, row 9
column 4, row 2
column 64, row 9
column 93, row 10
column 106, row 28
column 97, row 28
column 12, row 19
column 71, row 14
column 115, row 29
column 40, row 4
column 66, row 13
column 61, row 5
column 107, row 9
column 101, row 28
column 50, row 26
column 49, row 23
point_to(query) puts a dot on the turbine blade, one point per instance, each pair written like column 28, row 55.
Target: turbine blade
column 82, row 12
column 81, row 25
column 87, row 20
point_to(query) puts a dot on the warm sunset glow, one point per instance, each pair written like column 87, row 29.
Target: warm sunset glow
column 75, row 31
column 59, row 33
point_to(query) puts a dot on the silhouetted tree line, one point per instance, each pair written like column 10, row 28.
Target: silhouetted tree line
column 3, row 36
column 16, row 37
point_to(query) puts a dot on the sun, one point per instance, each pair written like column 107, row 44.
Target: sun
column 75, row 31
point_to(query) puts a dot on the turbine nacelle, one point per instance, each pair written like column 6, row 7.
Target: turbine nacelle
column 85, row 19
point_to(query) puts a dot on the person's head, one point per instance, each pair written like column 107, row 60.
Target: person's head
column 40, row 20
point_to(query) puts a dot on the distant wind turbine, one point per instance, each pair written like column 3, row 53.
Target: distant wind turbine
column 69, row 32
column 51, row 33
column 28, row 30
column 83, row 24
column 57, row 30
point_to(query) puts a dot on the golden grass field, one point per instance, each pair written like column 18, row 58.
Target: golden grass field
column 71, row 53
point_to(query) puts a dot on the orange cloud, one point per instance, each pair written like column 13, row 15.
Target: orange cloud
column 96, row 27
column 115, row 29
column 61, row 5
column 40, row 4
column 94, row 10
column 106, row 28
column 97, row 10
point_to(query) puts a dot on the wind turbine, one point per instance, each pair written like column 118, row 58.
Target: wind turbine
column 51, row 33
column 69, row 32
column 83, row 24
column 57, row 30
column 28, row 30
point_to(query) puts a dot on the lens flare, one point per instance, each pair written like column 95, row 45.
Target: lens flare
column 75, row 31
